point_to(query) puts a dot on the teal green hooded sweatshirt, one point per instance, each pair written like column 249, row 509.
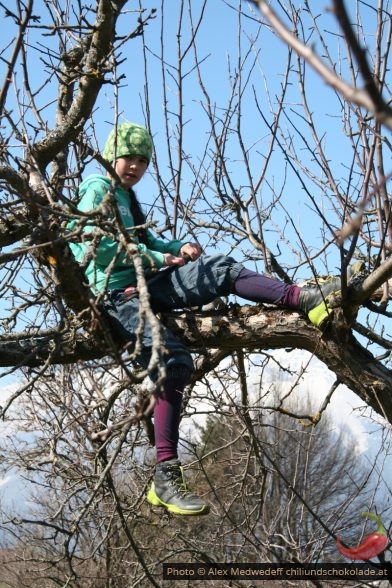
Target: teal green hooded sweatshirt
column 99, row 255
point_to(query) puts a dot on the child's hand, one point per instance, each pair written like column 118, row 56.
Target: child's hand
column 192, row 250
column 170, row 259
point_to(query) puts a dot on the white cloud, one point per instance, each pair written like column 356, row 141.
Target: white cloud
column 6, row 391
column 345, row 408
column 4, row 481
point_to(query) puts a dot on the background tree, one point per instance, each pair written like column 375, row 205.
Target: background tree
column 282, row 479
column 254, row 156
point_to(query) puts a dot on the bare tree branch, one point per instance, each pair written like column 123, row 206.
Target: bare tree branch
column 371, row 101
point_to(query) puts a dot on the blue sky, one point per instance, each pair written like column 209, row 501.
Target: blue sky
column 218, row 50
column 219, row 46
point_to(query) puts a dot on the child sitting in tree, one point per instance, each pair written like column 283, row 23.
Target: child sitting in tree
column 129, row 149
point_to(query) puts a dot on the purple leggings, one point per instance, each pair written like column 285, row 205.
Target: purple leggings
column 259, row 288
column 167, row 415
column 248, row 285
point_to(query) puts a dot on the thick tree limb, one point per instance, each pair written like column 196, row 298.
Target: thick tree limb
column 370, row 287
column 253, row 328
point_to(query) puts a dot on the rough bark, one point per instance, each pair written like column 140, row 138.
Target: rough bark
column 255, row 328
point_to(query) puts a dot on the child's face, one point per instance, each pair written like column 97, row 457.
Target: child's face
column 130, row 170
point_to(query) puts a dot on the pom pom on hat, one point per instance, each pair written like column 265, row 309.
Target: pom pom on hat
column 132, row 140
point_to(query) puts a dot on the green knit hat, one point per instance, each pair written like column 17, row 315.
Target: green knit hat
column 132, row 140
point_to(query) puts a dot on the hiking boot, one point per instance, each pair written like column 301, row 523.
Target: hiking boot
column 170, row 491
column 315, row 299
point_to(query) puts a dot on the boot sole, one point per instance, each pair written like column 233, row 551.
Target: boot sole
column 153, row 499
column 320, row 314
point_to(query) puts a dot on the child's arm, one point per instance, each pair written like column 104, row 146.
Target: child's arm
column 106, row 247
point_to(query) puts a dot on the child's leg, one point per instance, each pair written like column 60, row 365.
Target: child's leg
column 311, row 299
column 204, row 280
column 169, row 488
column 167, row 414
column 259, row 288
column 125, row 320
